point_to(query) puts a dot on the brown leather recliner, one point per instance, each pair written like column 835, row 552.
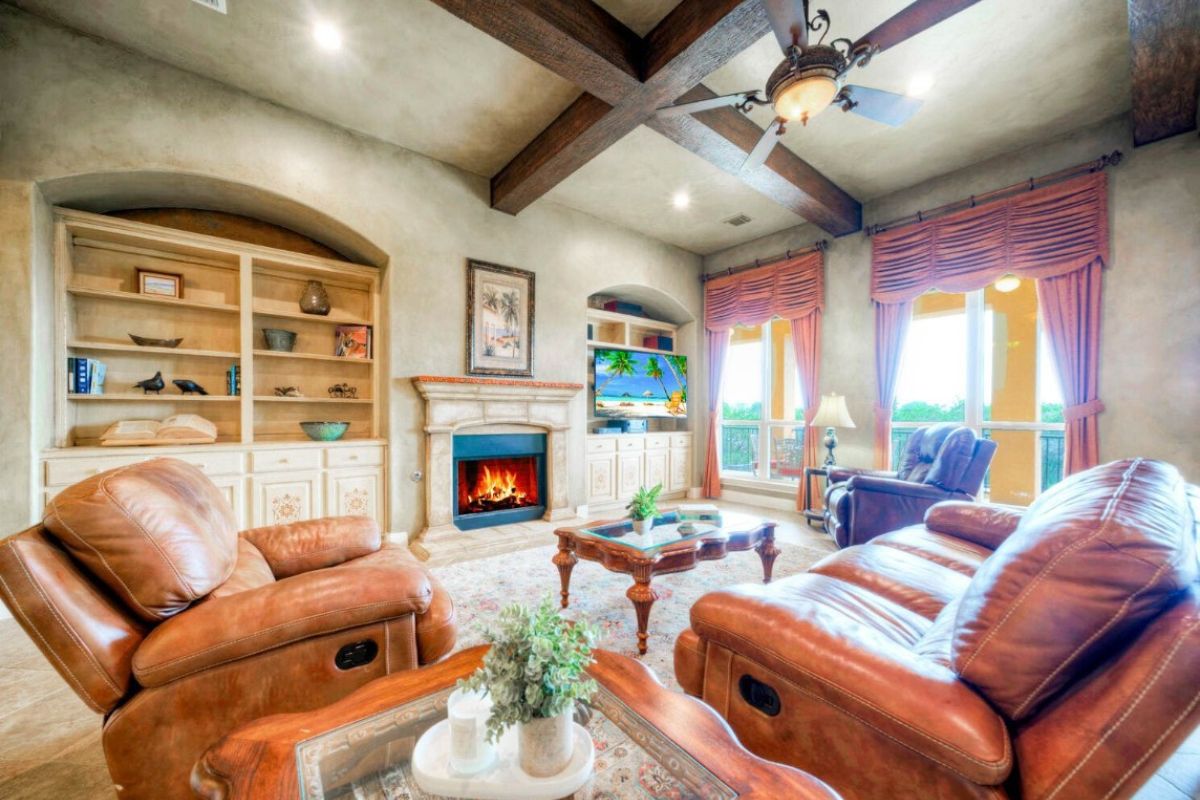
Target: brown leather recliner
column 141, row 592
column 987, row 653
column 940, row 462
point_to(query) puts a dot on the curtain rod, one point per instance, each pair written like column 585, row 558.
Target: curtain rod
column 1106, row 160
column 816, row 246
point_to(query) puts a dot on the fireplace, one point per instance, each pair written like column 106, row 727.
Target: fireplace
column 498, row 478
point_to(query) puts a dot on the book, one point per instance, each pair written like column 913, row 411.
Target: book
column 97, row 371
column 177, row 429
column 233, row 381
column 352, row 341
column 81, row 376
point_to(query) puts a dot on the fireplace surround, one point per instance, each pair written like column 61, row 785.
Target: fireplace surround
column 461, row 409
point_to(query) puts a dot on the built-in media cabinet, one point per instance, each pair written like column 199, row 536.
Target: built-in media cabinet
column 617, row 464
column 230, row 292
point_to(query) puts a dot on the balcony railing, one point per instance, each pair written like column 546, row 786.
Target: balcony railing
column 742, row 441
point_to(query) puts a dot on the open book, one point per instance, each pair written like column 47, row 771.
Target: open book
column 179, row 429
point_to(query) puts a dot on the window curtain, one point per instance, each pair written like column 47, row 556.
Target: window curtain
column 806, row 342
column 1057, row 236
column 793, row 290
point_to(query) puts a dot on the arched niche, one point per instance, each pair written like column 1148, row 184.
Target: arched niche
column 102, row 192
column 656, row 303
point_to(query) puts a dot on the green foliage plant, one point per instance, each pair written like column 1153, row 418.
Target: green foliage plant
column 644, row 504
column 535, row 667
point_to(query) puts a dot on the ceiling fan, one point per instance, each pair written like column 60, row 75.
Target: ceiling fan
column 811, row 76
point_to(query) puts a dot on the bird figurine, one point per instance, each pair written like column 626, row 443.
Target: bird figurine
column 149, row 385
column 188, row 387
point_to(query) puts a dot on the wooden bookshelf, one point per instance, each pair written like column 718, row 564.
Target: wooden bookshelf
column 231, row 291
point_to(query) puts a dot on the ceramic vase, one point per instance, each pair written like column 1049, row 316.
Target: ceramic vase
column 315, row 299
column 642, row 527
column 545, row 745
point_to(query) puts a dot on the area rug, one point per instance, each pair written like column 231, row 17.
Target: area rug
column 480, row 588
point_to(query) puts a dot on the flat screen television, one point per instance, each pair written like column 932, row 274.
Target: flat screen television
column 632, row 385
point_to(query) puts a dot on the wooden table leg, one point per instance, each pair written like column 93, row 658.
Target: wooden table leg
column 643, row 596
column 565, row 559
column 768, row 551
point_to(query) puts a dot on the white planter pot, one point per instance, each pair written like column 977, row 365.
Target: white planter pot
column 545, row 745
column 642, row 526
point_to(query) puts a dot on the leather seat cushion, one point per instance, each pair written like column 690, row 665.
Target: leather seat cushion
column 921, row 585
column 158, row 533
column 949, row 551
column 1091, row 562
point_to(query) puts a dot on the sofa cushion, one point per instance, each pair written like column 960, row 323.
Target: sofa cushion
column 1091, row 562
column 919, row 584
column 953, row 460
column 158, row 533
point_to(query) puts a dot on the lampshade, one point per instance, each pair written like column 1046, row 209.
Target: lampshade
column 805, row 98
column 832, row 413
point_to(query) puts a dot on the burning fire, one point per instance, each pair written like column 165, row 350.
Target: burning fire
column 497, row 487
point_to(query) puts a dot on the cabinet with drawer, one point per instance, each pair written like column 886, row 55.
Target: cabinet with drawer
column 618, row 464
column 265, row 484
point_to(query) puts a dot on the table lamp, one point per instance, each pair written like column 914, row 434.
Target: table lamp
column 832, row 414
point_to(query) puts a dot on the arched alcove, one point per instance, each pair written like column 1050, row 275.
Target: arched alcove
column 103, row 192
column 656, row 303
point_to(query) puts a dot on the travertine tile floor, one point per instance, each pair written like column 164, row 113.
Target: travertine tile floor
column 50, row 741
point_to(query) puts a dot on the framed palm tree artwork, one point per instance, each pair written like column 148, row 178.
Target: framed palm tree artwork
column 499, row 320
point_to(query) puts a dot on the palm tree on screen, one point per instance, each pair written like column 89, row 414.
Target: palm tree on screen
column 618, row 363
column 653, row 370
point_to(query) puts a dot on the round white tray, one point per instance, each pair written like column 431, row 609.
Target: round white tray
column 504, row 780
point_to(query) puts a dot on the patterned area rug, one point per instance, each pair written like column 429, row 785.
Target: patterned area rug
column 480, row 588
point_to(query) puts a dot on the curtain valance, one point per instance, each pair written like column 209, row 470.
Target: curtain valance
column 1041, row 234
column 790, row 289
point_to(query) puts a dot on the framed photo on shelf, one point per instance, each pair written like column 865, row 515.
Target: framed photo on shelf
column 160, row 284
column 352, row 341
column 499, row 320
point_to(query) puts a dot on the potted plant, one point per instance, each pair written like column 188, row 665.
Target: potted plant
column 643, row 508
column 534, row 673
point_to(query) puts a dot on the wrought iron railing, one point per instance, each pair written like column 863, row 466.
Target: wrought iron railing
column 740, row 443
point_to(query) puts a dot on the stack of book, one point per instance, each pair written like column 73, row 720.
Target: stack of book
column 233, row 381
column 85, row 375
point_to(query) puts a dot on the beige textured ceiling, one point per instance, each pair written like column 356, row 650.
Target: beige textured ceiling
column 1007, row 73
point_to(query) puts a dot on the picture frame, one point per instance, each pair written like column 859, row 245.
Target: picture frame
column 160, row 284
column 500, row 320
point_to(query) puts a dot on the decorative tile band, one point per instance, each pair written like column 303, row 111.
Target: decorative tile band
column 496, row 382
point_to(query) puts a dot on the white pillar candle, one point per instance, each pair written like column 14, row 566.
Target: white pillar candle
column 468, row 713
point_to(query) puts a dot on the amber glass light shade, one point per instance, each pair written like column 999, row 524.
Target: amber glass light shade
column 805, row 98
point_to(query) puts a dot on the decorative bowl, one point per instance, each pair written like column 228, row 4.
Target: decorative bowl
column 142, row 341
column 325, row 431
column 279, row 340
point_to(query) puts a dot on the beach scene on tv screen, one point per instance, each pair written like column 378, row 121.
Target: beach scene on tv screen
column 632, row 385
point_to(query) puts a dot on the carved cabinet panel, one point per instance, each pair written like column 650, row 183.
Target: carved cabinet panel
column 354, row 493
column 601, row 480
column 680, row 469
column 286, row 497
column 656, row 468
column 629, row 474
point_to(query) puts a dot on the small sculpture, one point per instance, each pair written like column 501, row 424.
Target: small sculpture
column 189, row 387
column 344, row 390
column 149, row 385
column 287, row 391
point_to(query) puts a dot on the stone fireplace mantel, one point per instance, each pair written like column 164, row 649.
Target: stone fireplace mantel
column 456, row 405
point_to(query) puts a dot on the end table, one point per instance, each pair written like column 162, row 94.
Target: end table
column 810, row 514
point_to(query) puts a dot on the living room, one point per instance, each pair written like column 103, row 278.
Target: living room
column 855, row 444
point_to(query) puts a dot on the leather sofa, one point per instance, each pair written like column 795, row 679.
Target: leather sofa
column 940, row 462
column 986, row 653
column 141, row 592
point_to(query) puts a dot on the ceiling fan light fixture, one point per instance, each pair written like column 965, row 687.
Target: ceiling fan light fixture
column 802, row 99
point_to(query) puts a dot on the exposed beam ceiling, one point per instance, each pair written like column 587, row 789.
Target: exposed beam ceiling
column 1165, row 40
column 692, row 41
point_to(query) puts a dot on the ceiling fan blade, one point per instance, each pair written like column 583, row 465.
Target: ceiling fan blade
column 912, row 20
column 886, row 107
column 789, row 20
column 766, row 143
column 705, row 105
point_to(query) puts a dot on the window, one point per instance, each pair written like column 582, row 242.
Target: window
column 982, row 359
column 761, row 404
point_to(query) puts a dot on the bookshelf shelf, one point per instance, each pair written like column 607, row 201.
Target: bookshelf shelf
column 124, row 397
column 117, row 347
column 134, row 297
column 312, row 357
column 334, row 318
column 336, row 401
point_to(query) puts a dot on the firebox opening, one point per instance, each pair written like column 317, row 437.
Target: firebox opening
column 497, row 484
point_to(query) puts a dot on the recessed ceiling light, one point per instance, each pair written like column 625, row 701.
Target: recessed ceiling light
column 327, row 36
column 920, row 84
column 681, row 200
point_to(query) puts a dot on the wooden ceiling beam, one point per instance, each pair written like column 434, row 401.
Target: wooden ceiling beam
column 1164, row 38
column 724, row 136
column 576, row 39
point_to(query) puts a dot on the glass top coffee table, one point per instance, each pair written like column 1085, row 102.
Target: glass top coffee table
column 668, row 548
column 651, row 742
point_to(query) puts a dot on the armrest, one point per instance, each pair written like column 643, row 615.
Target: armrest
column 840, row 474
column 223, row 629
column 315, row 543
column 809, row 630
column 880, row 505
column 987, row 524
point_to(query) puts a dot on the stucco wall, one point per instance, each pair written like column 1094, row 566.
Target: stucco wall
column 73, row 105
column 1150, row 330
